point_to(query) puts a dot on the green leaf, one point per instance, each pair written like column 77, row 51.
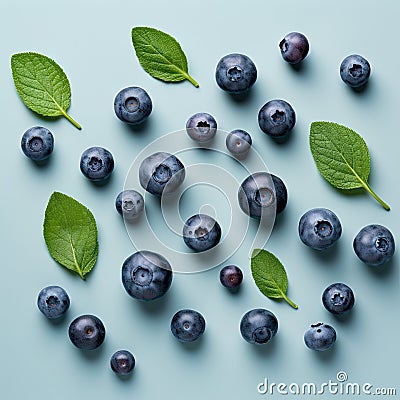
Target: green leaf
column 70, row 233
column 270, row 275
column 160, row 55
column 42, row 85
column 342, row 157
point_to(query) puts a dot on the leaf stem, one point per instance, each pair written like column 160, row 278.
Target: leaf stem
column 375, row 196
column 191, row 80
column 294, row 305
column 70, row 119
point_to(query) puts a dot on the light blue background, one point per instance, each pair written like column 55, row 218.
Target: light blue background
column 91, row 41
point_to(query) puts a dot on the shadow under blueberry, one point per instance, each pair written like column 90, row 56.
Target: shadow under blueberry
column 192, row 346
column 43, row 163
column 328, row 256
column 384, row 271
column 154, row 307
column 102, row 183
column 92, row 355
column 238, row 98
column 267, row 349
column 362, row 90
column 58, row 323
column 124, row 378
column 347, row 317
column 139, row 129
column 327, row 355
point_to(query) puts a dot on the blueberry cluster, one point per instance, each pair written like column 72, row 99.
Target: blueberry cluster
column 147, row 276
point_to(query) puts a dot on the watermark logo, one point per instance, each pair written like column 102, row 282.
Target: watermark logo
column 212, row 180
column 340, row 386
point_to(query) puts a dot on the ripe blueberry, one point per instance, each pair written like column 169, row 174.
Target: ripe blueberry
column 97, row 164
column 122, row 362
column 188, row 325
column 294, row 47
column 161, row 173
column 258, row 326
column 87, row 332
column 276, row 118
column 201, row 127
column 132, row 105
column 130, row 204
column 261, row 193
column 320, row 337
column 53, row 301
column 319, row 228
column 338, row 298
column 238, row 142
column 231, row 276
column 374, row 245
column 235, row 73
column 37, row 143
column 146, row 275
column 201, row 232
column 355, row 71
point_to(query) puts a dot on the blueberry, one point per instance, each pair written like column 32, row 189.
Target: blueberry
column 87, row 332
column 53, row 301
column 235, row 73
column 201, row 127
column 260, row 192
column 161, row 173
column 338, row 298
column 132, row 105
column 122, row 362
column 188, row 325
column 294, row 47
column 374, row 245
column 130, row 204
column 355, row 71
column 238, row 142
column 146, row 275
column 320, row 337
column 37, row 143
column 201, row 232
column 231, row 276
column 258, row 326
column 319, row 228
column 276, row 118
column 97, row 163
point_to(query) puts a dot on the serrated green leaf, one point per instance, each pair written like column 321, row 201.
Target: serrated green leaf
column 160, row 55
column 270, row 276
column 341, row 156
column 42, row 85
column 70, row 233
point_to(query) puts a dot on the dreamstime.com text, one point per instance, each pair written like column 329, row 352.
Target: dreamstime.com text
column 340, row 386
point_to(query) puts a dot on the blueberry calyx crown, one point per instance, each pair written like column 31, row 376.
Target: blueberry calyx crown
column 35, row 143
column 264, row 197
column 142, row 276
column 323, row 228
column 162, row 173
column 262, row 335
column 132, row 104
column 95, row 164
column 278, row 117
column 234, row 73
column 381, row 244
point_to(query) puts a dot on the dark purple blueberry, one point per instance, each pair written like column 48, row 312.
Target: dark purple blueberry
column 261, row 192
column 231, row 276
column 87, row 332
column 122, row 362
column 133, row 105
column 37, row 143
column 294, row 47
column 188, row 325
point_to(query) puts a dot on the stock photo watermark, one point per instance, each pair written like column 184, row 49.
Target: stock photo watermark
column 341, row 386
